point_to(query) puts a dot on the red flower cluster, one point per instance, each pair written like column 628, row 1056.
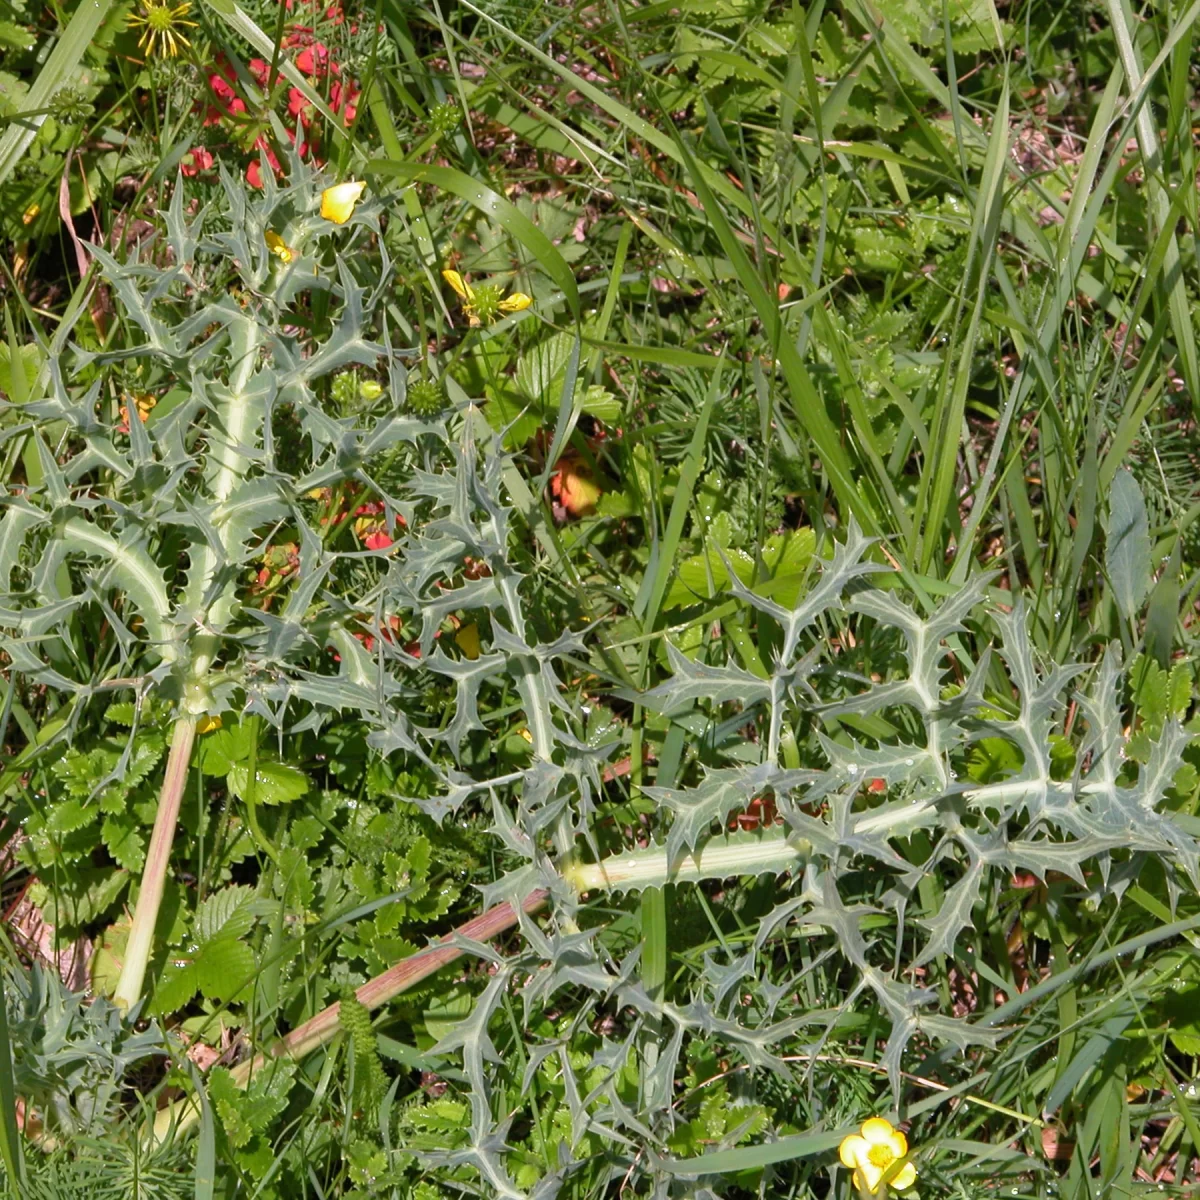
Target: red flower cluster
column 371, row 525
column 760, row 812
column 389, row 631
column 316, row 60
column 370, row 519
column 196, row 160
column 280, row 561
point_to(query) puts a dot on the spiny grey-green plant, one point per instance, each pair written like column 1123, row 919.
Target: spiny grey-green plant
column 106, row 529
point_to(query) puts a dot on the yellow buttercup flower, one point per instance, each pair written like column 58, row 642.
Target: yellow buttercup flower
column 208, row 724
column 486, row 302
column 871, row 1153
column 164, row 24
column 278, row 246
column 337, row 202
column 467, row 640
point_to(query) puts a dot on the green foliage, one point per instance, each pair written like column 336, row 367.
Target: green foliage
column 72, row 1056
column 799, row 593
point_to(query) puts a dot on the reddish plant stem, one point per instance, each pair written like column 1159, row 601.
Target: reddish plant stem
column 396, row 979
column 318, row 1030
column 154, row 875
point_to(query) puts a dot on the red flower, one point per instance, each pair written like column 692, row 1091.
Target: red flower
column 195, row 161
column 254, row 170
column 229, row 103
column 345, row 93
column 221, row 86
column 260, row 70
column 314, row 59
column 760, row 811
column 298, row 106
column 377, row 540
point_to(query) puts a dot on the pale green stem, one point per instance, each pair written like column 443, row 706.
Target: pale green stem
column 767, row 851
column 227, row 468
column 228, row 465
column 145, row 913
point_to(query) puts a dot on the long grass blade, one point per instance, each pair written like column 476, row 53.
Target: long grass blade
column 81, row 30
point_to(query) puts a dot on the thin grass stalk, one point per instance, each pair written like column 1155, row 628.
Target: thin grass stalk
column 316, row 1031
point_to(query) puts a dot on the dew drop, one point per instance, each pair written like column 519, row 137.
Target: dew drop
column 908, row 762
column 853, row 769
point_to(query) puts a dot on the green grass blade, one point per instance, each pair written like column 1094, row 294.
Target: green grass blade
column 1078, row 226
column 10, row 1138
column 689, row 473
column 1160, row 197
column 1092, row 1051
column 79, row 34
column 753, row 1158
column 808, row 405
column 496, row 208
column 947, row 424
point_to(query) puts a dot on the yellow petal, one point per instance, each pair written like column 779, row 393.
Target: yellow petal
column 461, row 287
column 467, row 640
column 278, row 246
column 515, row 303
column 337, row 202
column 871, row 1173
column 878, row 1131
column 898, row 1143
column 847, row 1151
column 207, row 724
column 905, row 1177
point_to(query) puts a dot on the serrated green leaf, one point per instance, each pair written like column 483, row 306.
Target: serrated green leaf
column 71, row 815
column 541, row 367
column 1179, row 690
column 274, row 782
column 123, row 836
column 175, row 988
column 224, row 968
column 224, row 747
column 226, row 913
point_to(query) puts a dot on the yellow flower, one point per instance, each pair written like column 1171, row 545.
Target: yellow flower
column 467, row 640
column 208, row 724
column 487, row 302
column 872, row 1151
column 337, row 202
column 144, row 403
column 278, row 246
column 30, row 214
column 164, row 24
